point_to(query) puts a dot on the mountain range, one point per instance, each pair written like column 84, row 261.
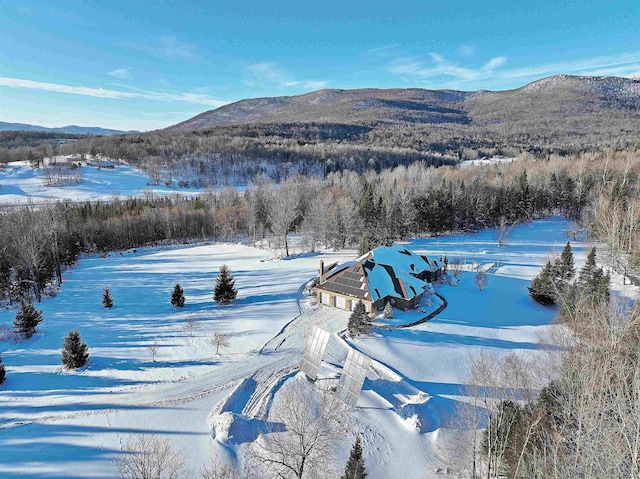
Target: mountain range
column 562, row 105
column 71, row 129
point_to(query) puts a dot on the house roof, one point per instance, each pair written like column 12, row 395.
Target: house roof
column 383, row 272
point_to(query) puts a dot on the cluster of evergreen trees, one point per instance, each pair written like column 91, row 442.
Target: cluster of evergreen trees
column 555, row 284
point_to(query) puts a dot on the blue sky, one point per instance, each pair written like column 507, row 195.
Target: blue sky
column 148, row 64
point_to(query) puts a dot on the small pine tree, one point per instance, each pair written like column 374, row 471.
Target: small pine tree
column 388, row 311
column 598, row 288
column 543, row 289
column 75, row 352
column 177, row 297
column 107, row 300
column 603, row 287
column 365, row 245
column 564, row 264
column 27, row 320
column 589, row 269
column 355, row 464
column 3, row 371
column 359, row 320
column 224, row 290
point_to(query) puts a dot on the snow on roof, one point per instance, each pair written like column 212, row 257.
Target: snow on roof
column 389, row 271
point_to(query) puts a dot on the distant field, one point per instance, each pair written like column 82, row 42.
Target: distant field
column 22, row 184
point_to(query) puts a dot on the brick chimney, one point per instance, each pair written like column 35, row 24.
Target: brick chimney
column 321, row 269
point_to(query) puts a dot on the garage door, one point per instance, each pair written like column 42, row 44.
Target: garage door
column 341, row 302
column 324, row 298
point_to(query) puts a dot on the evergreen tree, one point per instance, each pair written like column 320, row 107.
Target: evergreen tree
column 388, row 311
column 355, row 465
column 3, row 371
column 107, row 300
column 543, row 288
column 365, row 245
column 27, row 320
column 588, row 270
column 75, row 352
column 177, row 297
column 359, row 321
column 598, row 287
column 224, row 290
column 565, row 269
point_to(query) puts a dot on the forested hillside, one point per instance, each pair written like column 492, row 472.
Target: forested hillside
column 334, row 130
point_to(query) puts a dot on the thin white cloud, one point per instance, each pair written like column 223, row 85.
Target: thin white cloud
column 466, row 51
column 54, row 87
column 188, row 97
column 174, row 48
column 270, row 74
column 624, row 64
column 439, row 68
column 166, row 48
column 123, row 73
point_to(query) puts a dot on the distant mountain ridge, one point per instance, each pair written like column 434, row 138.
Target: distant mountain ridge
column 561, row 99
column 71, row 129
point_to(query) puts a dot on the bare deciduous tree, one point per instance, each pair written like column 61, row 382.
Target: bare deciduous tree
column 191, row 324
column 306, row 423
column 283, row 210
column 153, row 350
column 455, row 265
column 219, row 340
column 503, row 231
column 149, row 457
column 217, row 469
column 480, row 279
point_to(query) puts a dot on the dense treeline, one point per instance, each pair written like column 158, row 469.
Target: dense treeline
column 238, row 154
column 31, row 145
column 346, row 209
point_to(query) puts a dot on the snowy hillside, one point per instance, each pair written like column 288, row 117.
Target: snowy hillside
column 73, row 424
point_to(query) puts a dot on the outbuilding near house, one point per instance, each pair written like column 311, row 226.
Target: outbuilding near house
column 392, row 274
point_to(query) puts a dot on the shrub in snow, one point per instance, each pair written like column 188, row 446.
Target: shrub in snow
column 75, row 352
column 224, row 290
column 355, row 464
column 148, row 456
column 3, row 371
column 27, row 320
column 388, row 311
column 177, row 297
column 107, row 300
column 480, row 279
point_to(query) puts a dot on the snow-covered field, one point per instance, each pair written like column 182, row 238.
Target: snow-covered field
column 56, row 424
column 494, row 160
column 20, row 184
